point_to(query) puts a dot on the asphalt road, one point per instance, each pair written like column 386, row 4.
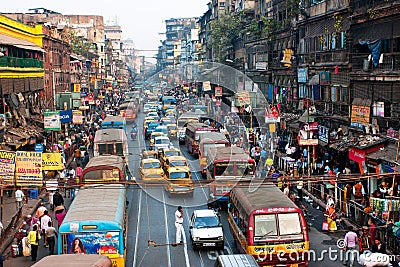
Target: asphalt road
column 151, row 218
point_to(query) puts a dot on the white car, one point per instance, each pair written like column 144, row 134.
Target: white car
column 161, row 142
column 206, row 229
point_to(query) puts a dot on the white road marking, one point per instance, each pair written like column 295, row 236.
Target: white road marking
column 201, row 259
column 166, row 230
column 228, row 250
column 137, row 229
column 185, row 241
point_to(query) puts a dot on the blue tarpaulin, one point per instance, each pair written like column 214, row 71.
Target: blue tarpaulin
column 375, row 48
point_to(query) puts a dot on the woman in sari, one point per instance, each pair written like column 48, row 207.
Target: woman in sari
column 331, row 218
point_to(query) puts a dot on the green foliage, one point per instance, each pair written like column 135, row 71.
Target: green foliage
column 223, row 34
column 79, row 45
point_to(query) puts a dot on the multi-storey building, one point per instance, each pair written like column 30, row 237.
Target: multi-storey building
column 21, row 80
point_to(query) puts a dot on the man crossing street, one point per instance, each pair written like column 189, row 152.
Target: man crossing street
column 180, row 232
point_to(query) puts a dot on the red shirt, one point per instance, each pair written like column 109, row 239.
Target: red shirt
column 78, row 171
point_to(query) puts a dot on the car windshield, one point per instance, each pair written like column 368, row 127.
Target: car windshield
column 162, row 141
column 151, row 165
column 177, row 163
column 206, row 222
column 172, row 127
column 178, row 175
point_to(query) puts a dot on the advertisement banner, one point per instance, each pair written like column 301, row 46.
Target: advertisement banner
column 243, row 98
column 52, row 121
column 103, row 243
column 28, row 168
column 52, row 162
column 308, row 134
column 7, row 167
column 65, row 116
column 323, row 134
column 77, row 87
column 357, row 155
column 77, row 117
column 302, row 75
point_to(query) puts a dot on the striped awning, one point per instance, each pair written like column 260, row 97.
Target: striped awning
column 20, row 43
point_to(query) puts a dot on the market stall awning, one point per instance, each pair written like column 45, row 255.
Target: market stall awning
column 9, row 40
column 387, row 153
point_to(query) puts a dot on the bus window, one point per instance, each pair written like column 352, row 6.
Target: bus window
column 119, row 149
column 224, row 169
column 265, row 227
column 244, row 168
column 289, row 225
column 106, row 149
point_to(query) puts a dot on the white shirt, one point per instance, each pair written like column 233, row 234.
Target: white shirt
column 178, row 218
column 19, row 195
column 44, row 221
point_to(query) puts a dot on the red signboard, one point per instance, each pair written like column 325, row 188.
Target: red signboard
column 357, row 155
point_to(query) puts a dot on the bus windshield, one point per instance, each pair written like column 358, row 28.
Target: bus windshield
column 245, row 168
column 178, row 175
column 224, row 169
column 265, row 227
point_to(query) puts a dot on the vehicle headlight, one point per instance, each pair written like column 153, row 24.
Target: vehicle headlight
column 220, row 238
column 196, row 239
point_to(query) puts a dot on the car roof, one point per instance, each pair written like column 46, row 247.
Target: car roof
column 204, row 213
column 150, row 160
column 177, row 158
column 161, row 137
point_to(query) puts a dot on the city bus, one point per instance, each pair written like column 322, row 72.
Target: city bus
column 207, row 141
column 111, row 142
column 105, row 169
column 182, row 122
column 266, row 224
column 114, row 122
column 227, row 166
column 74, row 260
column 192, row 135
column 128, row 110
column 97, row 221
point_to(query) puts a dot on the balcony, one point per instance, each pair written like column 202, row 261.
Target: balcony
column 15, row 62
column 391, row 62
column 324, row 57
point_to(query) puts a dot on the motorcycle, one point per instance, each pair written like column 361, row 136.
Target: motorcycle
column 133, row 133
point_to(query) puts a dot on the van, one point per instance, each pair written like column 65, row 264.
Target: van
column 237, row 260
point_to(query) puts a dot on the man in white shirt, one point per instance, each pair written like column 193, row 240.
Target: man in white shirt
column 19, row 198
column 44, row 224
column 178, row 224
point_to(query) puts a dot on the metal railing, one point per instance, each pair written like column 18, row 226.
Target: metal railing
column 15, row 62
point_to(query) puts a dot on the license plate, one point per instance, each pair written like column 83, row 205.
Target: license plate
column 209, row 244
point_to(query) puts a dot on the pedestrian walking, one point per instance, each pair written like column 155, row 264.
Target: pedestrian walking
column 44, row 224
column 180, row 232
column 58, row 200
column 50, row 236
column 19, row 198
column 40, row 211
column 350, row 245
column 34, row 237
column 365, row 240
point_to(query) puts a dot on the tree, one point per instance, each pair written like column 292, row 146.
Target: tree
column 223, row 34
column 79, row 45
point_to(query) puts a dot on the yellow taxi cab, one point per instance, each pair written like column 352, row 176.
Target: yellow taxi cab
column 176, row 161
column 149, row 154
column 172, row 130
column 152, row 136
column 170, row 112
column 179, row 181
column 150, row 169
column 163, row 154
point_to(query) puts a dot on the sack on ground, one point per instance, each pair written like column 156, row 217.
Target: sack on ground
column 26, row 247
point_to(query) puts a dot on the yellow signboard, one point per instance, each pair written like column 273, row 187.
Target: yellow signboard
column 77, row 88
column 28, row 168
column 360, row 114
column 52, row 162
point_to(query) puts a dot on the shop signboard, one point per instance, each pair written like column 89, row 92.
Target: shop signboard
column 357, row 155
column 323, row 134
column 39, row 148
column 77, row 87
column 218, row 91
column 308, row 134
column 65, row 116
column 28, row 168
column 302, row 75
column 52, row 121
column 206, row 86
column 360, row 114
column 52, row 162
column 77, row 117
column 243, row 98
column 7, row 167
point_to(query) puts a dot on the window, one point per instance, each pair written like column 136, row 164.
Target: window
column 265, row 227
column 224, row 169
column 106, row 149
column 120, row 150
column 289, row 224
